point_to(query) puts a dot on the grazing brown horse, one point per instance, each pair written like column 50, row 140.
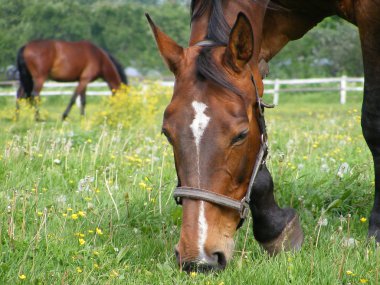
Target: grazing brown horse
column 66, row 62
column 216, row 126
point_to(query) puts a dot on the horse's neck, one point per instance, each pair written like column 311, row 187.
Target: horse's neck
column 288, row 23
column 110, row 74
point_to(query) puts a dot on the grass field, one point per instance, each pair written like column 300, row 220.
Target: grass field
column 85, row 202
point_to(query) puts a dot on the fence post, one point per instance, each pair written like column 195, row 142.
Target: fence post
column 276, row 91
column 343, row 89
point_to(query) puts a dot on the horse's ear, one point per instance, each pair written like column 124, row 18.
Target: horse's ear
column 169, row 49
column 240, row 46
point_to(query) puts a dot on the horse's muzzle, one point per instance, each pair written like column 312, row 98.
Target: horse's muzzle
column 216, row 262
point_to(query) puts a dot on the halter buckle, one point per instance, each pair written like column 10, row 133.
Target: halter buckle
column 178, row 200
column 244, row 208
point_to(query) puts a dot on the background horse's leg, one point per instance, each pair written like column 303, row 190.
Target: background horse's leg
column 83, row 102
column 367, row 16
column 35, row 98
column 274, row 228
column 81, row 91
column 20, row 94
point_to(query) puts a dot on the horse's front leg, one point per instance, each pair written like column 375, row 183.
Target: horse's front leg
column 371, row 132
column 369, row 29
column 79, row 91
column 276, row 229
column 82, row 102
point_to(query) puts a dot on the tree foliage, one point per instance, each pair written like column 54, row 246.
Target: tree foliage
column 120, row 27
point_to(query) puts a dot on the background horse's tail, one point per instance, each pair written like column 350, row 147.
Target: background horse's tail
column 119, row 68
column 26, row 79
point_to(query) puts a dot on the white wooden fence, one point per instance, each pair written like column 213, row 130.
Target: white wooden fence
column 340, row 84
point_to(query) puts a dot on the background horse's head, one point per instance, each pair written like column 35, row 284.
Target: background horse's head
column 211, row 124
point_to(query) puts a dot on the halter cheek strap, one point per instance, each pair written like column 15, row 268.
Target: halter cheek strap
column 242, row 206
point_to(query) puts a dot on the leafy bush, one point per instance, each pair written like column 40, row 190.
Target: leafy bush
column 134, row 105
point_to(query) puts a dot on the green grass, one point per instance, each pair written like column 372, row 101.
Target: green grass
column 120, row 181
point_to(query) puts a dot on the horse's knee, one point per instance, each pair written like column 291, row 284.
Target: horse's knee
column 269, row 220
column 370, row 121
column 263, row 182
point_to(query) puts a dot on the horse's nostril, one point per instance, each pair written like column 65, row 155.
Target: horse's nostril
column 221, row 258
column 198, row 267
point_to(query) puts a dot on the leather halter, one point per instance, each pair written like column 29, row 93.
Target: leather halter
column 242, row 206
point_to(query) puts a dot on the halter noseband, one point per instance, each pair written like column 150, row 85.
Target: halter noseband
column 242, row 206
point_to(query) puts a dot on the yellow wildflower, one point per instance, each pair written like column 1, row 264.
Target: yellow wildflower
column 96, row 266
column 39, row 214
column 69, row 209
column 363, row 280
column 74, row 216
column 64, row 214
column 89, row 140
column 79, row 270
column 95, row 252
column 363, row 220
column 142, row 185
column 349, row 272
column 81, row 241
column 90, row 231
column 22, row 276
column 99, row 231
column 193, row 274
column 82, row 214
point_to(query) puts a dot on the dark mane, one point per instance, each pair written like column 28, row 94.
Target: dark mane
column 208, row 69
column 218, row 31
column 119, row 68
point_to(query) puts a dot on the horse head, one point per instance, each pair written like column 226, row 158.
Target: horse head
column 211, row 123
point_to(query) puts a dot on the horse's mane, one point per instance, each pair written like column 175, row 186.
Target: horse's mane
column 218, row 31
column 119, row 68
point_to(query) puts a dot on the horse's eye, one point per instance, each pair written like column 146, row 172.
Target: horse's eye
column 240, row 137
column 166, row 134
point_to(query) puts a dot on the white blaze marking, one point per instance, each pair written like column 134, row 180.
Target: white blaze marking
column 198, row 126
column 202, row 231
column 200, row 121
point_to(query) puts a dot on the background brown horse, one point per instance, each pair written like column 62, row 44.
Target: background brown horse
column 65, row 61
column 204, row 112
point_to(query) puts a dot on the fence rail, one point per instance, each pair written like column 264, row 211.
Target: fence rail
column 339, row 84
